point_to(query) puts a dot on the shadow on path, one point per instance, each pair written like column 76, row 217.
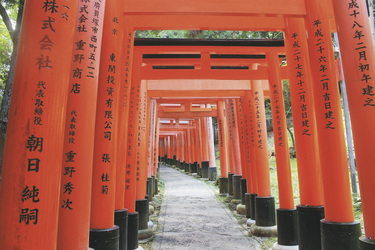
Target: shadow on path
column 191, row 217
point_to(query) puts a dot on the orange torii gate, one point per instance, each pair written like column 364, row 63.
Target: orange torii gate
column 163, row 67
column 34, row 154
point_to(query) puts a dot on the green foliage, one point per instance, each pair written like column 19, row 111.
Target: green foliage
column 6, row 47
column 208, row 34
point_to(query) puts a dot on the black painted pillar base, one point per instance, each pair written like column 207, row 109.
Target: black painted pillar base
column 265, row 217
column 247, row 205
column 150, row 188
column 230, row 184
column 174, row 162
column 212, row 173
column 200, row 171
column 153, row 184
column 141, row 206
column 187, row 167
column 252, row 205
column 366, row 244
column 265, row 212
column 205, row 165
column 243, row 186
column 133, row 230
column 191, row 168
column 121, row 220
column 156, row 186
column 223, row 185
column 105, row 239
column 309, row 226
column 237, row 187
column 194, row 167
column 340, row 235
column 287, row 234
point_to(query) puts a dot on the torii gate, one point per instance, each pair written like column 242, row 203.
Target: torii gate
column 35, row 154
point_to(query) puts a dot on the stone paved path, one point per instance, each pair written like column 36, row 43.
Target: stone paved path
column 191, row 218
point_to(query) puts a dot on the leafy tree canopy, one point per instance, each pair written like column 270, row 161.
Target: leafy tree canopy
column 208, row 34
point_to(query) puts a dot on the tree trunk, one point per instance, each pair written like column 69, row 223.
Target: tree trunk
column 9, row 84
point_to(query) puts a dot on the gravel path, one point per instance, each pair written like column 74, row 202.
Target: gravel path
column 191, row 218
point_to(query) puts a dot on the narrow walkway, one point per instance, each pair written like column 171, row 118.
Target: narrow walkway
column 191, row 217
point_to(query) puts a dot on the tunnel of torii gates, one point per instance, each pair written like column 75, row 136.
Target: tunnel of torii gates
column 94, row 111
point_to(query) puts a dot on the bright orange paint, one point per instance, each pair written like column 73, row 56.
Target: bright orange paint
column 34, row 142
column 253, row 188
column 361, row 105
column 261, row 145
column 141, row 145
column 309, row 173
column 284, row 175
column 105, row 147
column 332, row 146
column 223, row 153
column 242, row 137
column 131, row 171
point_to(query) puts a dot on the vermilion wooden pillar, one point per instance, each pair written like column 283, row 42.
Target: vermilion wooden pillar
column 241, row 134
column 247, row 143
column 141, row 144
column 358, row 61
column 77, row 168
column 31, row 167
column 212, row 172
column 125, row 60
column 311, row 210
column 228, row 137
column 252, row 183
column 104, row 165
column 235, row 137
column 142, row 203
column 198, row 150
column 223, row 143
column 132, row 140
column 223, row 148
column 338, row 229
column 264, row 202
column 286, row 214
column 151, row 135
column 157, row 148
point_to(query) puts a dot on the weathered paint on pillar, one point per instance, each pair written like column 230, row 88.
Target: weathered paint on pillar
column 284, row 175
column 332, row 147
column 261, row 145
column 33, row 157
column 358, row 60
column 223, row 153
column 309, row 174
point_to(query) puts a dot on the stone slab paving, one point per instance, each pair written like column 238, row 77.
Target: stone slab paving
column 191, row 218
